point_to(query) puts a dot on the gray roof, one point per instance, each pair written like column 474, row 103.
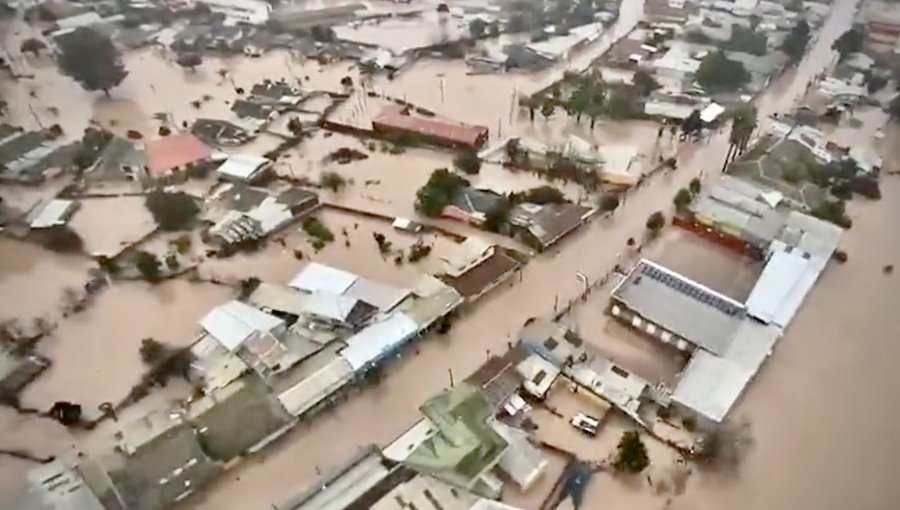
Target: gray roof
column 56, row 486
column 474, row 200
column 682, row 306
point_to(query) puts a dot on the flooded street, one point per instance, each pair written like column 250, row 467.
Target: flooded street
column 821, row 409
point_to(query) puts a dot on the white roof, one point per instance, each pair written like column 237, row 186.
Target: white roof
column 400, row 448
column 381, row 296
column 243, row 166
column 668, row 109
column 271, row 214
column 557, row 47
column 318, row 277
column 711, row 112
column 782, row 286
column 310, row 391
column 234, row 322
column 52, row 214
column 377, row 339
column 619, row 158
column 710, row 385
column 329, row 306
column 539, row 374
column 79, row 20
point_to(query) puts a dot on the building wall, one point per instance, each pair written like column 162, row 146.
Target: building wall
column 729, row 238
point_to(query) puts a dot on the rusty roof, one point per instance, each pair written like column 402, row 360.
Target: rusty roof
column 454, row 132
column 175, row 151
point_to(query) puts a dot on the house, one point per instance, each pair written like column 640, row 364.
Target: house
column 620, row 165
column 174, row 154
column 237, row 419
column 244, row 168
column 222, row 132
column 676, row 63
column 561, row 46
column 476, row 267
column 473, row 206
column 53, row 213
column 157, row 462
column 252, row 12
column 280, row 92
column 544, row 225
column 119, row 159
column 394, row 121
column 234, row 323
column 56, row 485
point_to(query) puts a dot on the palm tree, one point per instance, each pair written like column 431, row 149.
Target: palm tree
column 743, row 123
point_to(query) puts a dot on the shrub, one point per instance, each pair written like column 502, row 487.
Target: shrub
column 172, row 262
column 682, row 200
column 333, row 181
column 468, row 162
column 147, row 264
column 655, row 222
column 318, row 231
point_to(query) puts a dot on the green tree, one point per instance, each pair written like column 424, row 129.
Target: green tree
column 794, row 45
column 578, row 103
column 33, row 46
column 152, row 351
column 747, row 40
column 849, row 42
column 695, row 186
column 332, row 180
column 609, row 202
column 477, row 28
column 693, row 124
column 468, row 162
column 655, row 222
column 147, row 264
column 438, row 192
column 631, row 454
column 541, row 195
column 189, row 60
column 894, row 108
column 622, row 103
column 644, row 83
column 548, row 108
column 682, row 200
column 172, row 211
column 718, row 73
column 91, row 59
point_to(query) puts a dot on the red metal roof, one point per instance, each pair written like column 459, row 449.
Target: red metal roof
column 457, row 133
column 174, row 151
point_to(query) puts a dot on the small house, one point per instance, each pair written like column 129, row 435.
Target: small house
column 174, row 154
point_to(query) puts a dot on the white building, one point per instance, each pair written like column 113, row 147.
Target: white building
column 244, row 167
column 254, row 12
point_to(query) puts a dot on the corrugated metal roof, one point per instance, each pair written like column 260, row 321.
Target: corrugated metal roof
column 54, row 213
column 234, row 322
column 381, row 296
column 785, row 281
column 318, row 277
column 329, row 306
column 243, row 166
column 377, row 339
column 312, row 390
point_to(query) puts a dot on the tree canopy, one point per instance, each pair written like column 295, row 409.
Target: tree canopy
column 468, row 162
column 656, row 221
column 692, row 124
column 609, row 202
column 147, row 264
column 477, row 27
column 189, row 60
column 743, row 123
column 644, row 83
column 747, row 40
column 682, row 199
column 172, row 211
column 631, row 454
column 794, row 45
column 541, row 195
column 33, row 46
column 718, row 73
column 849, row 42
column 91, row 59
column 438, row 192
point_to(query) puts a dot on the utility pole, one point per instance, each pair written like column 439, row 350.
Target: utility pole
column 450, row 371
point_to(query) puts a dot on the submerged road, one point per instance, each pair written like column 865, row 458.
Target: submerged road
column 382, row 413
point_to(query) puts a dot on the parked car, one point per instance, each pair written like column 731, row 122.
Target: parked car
column 586, row 424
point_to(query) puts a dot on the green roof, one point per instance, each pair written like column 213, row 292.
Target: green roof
column 465, row 445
